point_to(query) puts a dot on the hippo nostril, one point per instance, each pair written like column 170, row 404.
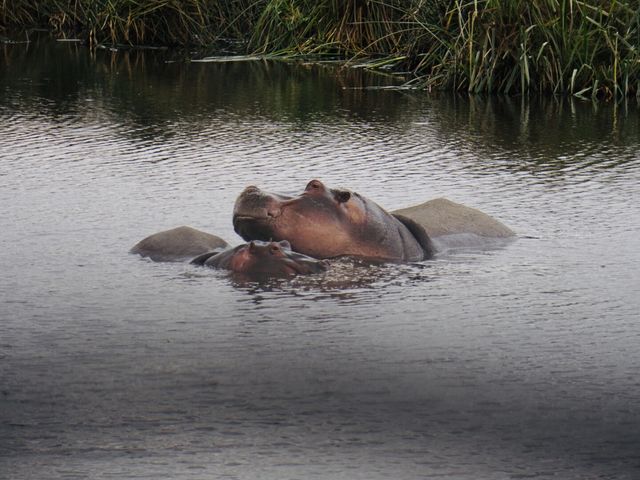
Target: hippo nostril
column 251, row 189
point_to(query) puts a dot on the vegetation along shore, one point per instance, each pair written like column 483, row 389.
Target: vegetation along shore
column 586, row 48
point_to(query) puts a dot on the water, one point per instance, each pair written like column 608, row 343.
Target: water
column 492, row 363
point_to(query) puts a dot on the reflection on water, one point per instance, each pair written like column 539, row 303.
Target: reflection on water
column 502, row 361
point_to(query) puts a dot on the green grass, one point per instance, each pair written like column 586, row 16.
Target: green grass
column 587, row 48
column 133, row 22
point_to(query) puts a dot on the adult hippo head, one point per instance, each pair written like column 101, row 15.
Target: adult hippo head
column 325, row 223
column 262, row 258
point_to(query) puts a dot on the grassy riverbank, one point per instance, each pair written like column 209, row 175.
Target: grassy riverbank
column 588, row 48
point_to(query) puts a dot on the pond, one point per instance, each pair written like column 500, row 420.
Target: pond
column 500, row 362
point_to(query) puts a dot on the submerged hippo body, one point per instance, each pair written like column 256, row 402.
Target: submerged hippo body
column 441, row 217
column 327, row 223
column 262, row 258
column 178, row 244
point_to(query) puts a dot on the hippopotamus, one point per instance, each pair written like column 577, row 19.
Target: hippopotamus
column 441, row 217
column 178, row 244
column 262, row 258
column 325, row 223
column 445, row 222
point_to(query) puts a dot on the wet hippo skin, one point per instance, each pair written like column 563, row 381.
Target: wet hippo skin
column 262, row 258
column 443, row 217
column 178, row 244
column 343, row 223
column 325, row 222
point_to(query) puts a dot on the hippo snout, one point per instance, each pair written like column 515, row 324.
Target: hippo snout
column 255, row 203
column 251, row 203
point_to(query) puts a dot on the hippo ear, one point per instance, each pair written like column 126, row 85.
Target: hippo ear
column 342, row 196
column 284, row 244
column 314, row 185
column 252, row 246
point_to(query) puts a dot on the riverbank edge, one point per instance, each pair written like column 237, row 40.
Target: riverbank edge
column 566, row 47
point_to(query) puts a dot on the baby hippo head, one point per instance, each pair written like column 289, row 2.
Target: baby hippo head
column 264, row 259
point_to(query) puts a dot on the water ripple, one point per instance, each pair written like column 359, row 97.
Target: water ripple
column 515, row 360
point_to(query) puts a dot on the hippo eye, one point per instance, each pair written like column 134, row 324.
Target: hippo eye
column 342, row 196
column 314, row 185
column 274, row 249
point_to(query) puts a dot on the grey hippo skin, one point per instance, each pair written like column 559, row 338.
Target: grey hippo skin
column 325, row 223
column 441, row 217
column 178, row 244
column 263, row 259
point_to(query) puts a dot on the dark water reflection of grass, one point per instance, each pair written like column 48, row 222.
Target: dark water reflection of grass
column 163, row 85
column 551, row 133
column 151, row 90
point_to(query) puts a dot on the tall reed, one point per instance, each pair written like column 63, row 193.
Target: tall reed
column 578, row 47
column 135, row 22
column 587, row 48
column 20, row 13
column 328, row 26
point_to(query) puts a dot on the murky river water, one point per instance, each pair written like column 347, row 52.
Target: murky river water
column 513, row 362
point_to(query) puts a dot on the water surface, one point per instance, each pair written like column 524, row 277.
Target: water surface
column 494, row 363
